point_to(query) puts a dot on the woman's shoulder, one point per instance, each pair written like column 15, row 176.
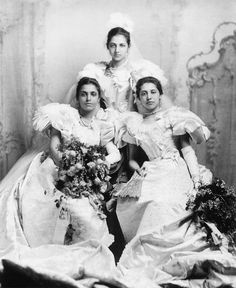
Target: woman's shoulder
column 102, row 64
column 182, row 121
column 179, row 112
column 94, row 67
column 132, row 116
column 54, row 114
column 98, row 65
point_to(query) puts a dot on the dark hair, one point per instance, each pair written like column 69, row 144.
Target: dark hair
column 88, row 80
column 148, row 79
column 118, row 31
column 85, row 81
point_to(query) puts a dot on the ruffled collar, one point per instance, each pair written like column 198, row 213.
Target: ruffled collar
column 154, row 113
column 100, row 115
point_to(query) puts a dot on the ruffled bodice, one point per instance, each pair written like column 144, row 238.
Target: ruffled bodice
column 67, row 120
column 118, row 88
column 156, row 134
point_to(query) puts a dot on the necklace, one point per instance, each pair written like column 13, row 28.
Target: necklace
column 146, row 114
column 158, row 109
column 86, row 123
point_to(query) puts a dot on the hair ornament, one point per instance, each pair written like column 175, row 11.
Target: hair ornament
column 92, row 70
column 144, row 68
column 120, row 20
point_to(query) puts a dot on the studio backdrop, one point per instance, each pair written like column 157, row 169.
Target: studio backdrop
column 44, row 43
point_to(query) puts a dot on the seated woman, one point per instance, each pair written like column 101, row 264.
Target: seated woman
column 161, row 130
column 161, row 248
column 35, row 229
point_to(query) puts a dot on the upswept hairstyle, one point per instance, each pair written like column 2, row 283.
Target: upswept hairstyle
column 85, row 81
column 118, row 31
column 88, row 80
column 148, row 79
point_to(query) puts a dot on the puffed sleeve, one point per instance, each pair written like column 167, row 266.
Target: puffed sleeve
column 107, row 137
column 131, row 127
column 115, row 117
column 183, row 121
column 59, row 116
column 119, row 121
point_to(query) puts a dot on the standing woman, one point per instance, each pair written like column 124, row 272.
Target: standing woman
column 117, row 71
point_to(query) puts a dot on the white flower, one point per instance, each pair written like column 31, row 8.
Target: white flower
column 91, row 164
column 82, row 183
column 97, row 181
column 206, row 176
column 72, row 153
column 79, row 166
column 103, row 188
column 100, row 161
column 84, row 150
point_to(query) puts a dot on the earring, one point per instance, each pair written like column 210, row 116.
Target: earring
column 160, row 101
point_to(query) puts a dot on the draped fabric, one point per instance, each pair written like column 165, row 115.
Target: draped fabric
column 21, row 75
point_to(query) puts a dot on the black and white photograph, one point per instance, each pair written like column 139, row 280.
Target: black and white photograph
column 117, row 144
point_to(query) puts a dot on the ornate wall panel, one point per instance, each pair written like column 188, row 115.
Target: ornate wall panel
column 213, row 97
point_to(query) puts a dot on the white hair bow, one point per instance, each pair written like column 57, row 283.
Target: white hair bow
column 120, row 20
column 144, row 68
column 92, row 70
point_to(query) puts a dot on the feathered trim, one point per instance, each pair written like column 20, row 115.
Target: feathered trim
column 55, row 115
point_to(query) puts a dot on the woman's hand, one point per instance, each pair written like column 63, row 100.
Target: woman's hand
column 135, row 167
column 54, row 144
column 113, row 154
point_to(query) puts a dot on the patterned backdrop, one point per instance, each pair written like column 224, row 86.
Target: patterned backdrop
column 21, row 77
column 213, row 97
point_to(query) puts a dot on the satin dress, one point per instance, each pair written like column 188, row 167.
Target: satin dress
column 34, row 231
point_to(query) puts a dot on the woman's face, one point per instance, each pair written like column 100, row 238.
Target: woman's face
column 149, row 96
column 88, row 97
column 118, row 48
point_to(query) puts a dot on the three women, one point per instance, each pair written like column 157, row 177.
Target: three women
column 151, row 205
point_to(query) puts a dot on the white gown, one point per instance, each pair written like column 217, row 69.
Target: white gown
column 33, row 229
column 158, row 255
column 167, row 183
column 150, row 209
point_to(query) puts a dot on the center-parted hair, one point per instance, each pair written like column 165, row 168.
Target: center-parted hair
column 86, row 81
column 118, row 31
column 148, row 79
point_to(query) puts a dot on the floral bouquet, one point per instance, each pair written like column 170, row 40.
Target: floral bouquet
column 215, row 203
column 83, row 171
